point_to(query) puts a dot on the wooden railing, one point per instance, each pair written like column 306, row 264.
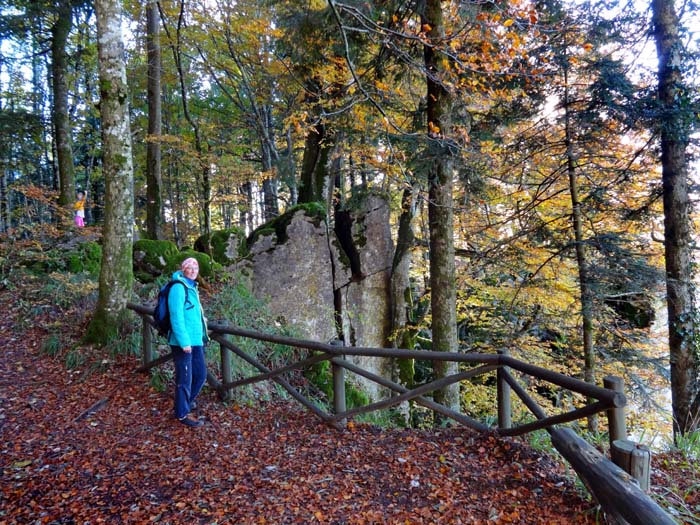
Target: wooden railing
column 617, row 492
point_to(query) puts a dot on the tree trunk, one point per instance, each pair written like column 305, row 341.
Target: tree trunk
column 116, row 274
column 440, row 212
column 682, row 312
column 313, row 165
column 584, row 284
column 246, row 207
column 204, row 178
column 270, row 207
column 59, row 114
column 400, row 285
column 154, row 183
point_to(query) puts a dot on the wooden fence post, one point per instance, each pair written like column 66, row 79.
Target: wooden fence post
column 226, row 372
column 146, row 341
column 503, row 396
column 617, row 428
column 339, row 405
column 633, row 458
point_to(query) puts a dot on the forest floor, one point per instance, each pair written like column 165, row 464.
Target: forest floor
column 102, row 447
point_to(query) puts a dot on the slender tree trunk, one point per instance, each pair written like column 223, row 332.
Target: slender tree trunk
column 400, row 288
column 269, row 186
column 440, row 212
column 4, row 202
column 61, row 122
column 584, row 284
column 203, row 178
column 313, row 164
column 291, row 170
column 684, row 338
column 246, row 214
column 154, row 183
column 116, row 274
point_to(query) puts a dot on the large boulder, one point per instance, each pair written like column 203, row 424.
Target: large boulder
column 327, row 283
column 227, row 246
column 151, row 258
column 290, row 268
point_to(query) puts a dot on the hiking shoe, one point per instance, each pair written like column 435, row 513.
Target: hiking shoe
column 190, row 422
column 193, row 405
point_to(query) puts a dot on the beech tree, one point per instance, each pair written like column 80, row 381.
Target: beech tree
column 116, row 272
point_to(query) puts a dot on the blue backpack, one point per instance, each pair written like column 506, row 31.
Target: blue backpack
column 161, row 314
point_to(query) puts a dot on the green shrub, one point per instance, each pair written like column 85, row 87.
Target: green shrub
column 52, row 345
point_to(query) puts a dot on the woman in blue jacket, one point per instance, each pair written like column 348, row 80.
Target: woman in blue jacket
column 188, row 335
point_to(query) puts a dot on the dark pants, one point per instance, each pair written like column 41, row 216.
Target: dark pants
column 190, row 375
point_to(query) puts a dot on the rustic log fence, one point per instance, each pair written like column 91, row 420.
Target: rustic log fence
column 621, row 495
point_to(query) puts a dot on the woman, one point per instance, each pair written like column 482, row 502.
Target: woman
column 188, row 336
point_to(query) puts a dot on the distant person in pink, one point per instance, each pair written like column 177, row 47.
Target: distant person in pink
column 79, row 208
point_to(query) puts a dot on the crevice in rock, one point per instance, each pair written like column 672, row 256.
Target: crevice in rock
column 343, row 232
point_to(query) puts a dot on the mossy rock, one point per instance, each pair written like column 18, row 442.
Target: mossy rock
column 360, row 195
column 151, row 258
column 83, row 257
column 207, row 267
column 315, row 210
column 227, row 246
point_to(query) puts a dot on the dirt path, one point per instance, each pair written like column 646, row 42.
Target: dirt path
column 128, row 461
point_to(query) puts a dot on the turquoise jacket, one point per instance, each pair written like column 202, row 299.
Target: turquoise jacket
column 188, row 325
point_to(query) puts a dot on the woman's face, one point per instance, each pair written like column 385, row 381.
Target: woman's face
column 191, row 271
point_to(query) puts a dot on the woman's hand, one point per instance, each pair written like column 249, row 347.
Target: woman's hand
column 187, row 349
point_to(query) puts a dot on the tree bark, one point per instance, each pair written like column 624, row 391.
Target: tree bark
column 682, row 312
column 400, row 288
column 582, row 263
column 154, row 181
column 61, row 122
column 116, row 274
column 440, row 211
column 313, row 164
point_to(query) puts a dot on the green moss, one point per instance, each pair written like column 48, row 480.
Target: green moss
column 315, row 210
column 219, row 245
column 342, row 255
column 354, row 397
column 151, row 257
column 407, row 370
column 321, row 376
column 360, row 195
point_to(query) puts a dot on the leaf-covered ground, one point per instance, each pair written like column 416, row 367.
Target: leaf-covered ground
column 103, row 448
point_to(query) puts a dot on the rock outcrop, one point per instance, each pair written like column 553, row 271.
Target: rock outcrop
column 329, row 284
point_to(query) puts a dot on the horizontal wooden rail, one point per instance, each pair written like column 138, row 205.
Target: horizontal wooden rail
column 427, row 355
column 615, row 399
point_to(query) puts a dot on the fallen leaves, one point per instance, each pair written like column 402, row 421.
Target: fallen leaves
column 104, row 449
